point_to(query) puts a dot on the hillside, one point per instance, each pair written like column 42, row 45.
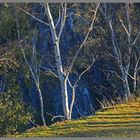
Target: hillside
column 69, row 59
column 122, row 120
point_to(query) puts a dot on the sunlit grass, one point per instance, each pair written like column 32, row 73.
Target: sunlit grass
column 122, row 120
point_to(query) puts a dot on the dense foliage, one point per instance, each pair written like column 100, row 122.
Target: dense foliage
column 15, row 115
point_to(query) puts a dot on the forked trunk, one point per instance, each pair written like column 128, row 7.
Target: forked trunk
column 61, row 74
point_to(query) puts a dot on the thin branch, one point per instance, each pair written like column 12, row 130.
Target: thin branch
column 20, row 42
column 134, row 42
column 33, row 16
column 84, row 72
column 104, row 13
column 34, row 77
column 129, row 75
column 18, row 33
column 82, row 18
column 58, row 116
column 59, row 18
column 82, row 115
column 127, row 32
column 136, row 66
column 50, row 71
column 63, row 19
column 111, row 72
column 34, row 123
column 85, row 40
column 70, row 83
column 38, row 68
column 128, row 18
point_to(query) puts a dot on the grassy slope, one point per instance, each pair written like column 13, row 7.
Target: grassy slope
column 120, row 121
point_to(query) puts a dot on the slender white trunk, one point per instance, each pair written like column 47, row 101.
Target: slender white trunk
column 124, row 75
column 126, row 87
column 121, row 67
column 135, row 75
column 34, row 77
column 41, row 104
column 135, row 82
column 61, row 74
column 125, row 83
column 72, row 102
column 65, row 102
column 38, row 89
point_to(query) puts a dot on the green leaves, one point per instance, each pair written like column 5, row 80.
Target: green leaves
column 14, row 115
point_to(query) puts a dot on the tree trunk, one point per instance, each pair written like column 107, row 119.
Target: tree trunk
column 41, row 105
column 135, row 81
column 127, row 89
column 72, row 102
column 39, row 92
column 38, row 89
column 119, row 62
column 61, row 74
column 135, row 75
column 124, row 76
column 65, row 98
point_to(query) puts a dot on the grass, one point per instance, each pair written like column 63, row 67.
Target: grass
column 122, row 120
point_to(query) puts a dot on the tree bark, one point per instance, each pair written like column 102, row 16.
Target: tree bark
column 41, row 105
column 38, row 89
column 135, row 82
column 61, row 74
column 65, row 101
column 34, row 77
column 135, row 75
column 126, row 86
column 72, row 102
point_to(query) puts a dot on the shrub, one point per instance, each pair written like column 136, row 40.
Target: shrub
column 14, row 115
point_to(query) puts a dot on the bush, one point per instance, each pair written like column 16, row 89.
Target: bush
column 14, row 115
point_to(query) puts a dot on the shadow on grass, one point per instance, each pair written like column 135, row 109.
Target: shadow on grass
column 107, row 114
column 98, row 124
column 118, row 125
column 117, row 117
column 117, row 122
column 114, row 132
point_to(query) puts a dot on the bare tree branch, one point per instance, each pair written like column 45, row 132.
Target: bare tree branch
column 58, row 116
column 111, row 71
column 127, row 32
column 32, row 16
column 135, row 40
column 137, row 63
column 84, row 41
column 63, row 19
column 50, row 71
column 130, row 75
column 128, row 18
column 59, row 18
column 84, row 72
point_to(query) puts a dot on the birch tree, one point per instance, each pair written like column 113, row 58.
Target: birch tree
column 64, row 75
column 35, row 72
column 33, row 67
column 124, row 67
